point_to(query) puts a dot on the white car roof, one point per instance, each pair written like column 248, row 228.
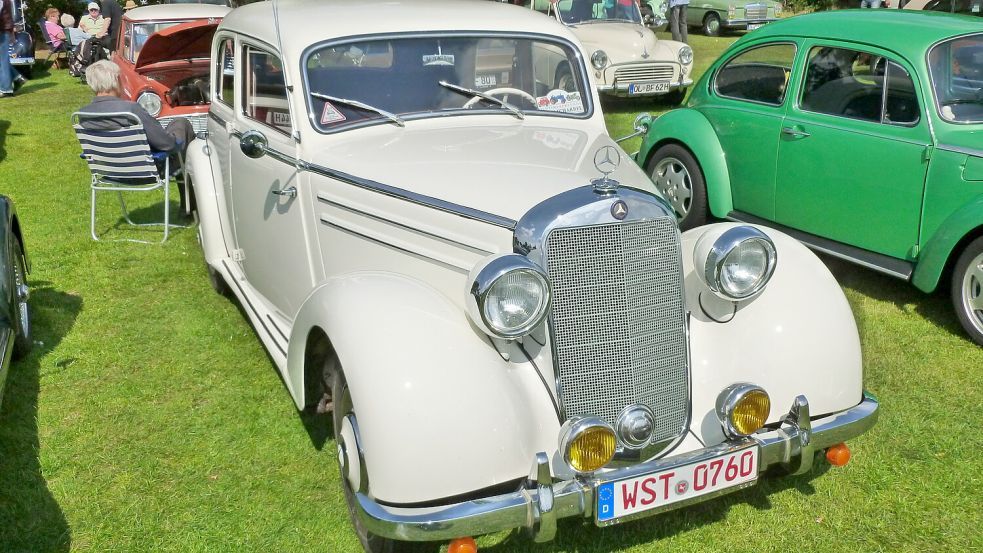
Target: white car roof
column 170, row 12
column 305, row 22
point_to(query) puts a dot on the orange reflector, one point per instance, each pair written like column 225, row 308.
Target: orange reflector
column 462, row 545
column 838, row 455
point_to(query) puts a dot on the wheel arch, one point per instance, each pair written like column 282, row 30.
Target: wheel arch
column 943, row 248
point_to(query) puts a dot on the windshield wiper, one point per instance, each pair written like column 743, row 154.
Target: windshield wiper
column 361, row 105
column 515, row 111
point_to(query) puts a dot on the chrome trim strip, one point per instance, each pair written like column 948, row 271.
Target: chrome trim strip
column 527, row 507
column 381, row 242
column 960, row 150
column 449, row 241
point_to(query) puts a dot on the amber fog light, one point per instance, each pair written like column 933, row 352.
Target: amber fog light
column 587, row 443
column 742, row 409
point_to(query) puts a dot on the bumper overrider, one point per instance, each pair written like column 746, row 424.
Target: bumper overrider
column 541, row 502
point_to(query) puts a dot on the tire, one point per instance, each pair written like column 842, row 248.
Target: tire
column 967, row 289
column 564, row 79
column 711, row 24
column 678, row 177
column 343, row 407
column 22, row 310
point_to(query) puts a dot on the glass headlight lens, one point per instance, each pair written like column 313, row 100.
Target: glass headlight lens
column 742, row 409
column 150, row 101
column 508, row 296
column 599, row 59
column 685, row 55
column 740, row 263
column 587, row 443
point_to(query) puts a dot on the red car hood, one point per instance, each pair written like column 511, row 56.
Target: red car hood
column 186, row 41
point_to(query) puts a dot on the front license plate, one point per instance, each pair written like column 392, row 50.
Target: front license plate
column 753, row 26
column 647, row 88
column 622, row 498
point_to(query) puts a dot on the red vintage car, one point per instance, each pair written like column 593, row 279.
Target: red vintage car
column 163, row 53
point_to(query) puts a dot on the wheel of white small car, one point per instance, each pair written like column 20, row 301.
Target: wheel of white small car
column 343, row 407
column 678, row 177
column 967, row 289
column 22, row 311
column 504, row 91
column 711, row 24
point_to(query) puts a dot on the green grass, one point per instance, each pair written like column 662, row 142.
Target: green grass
column 149, row 418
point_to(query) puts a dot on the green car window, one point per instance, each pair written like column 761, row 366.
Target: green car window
column 901, row 101
column 956, row 67
column 757, row 75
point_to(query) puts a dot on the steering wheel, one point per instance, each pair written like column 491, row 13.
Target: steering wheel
column 503, row 91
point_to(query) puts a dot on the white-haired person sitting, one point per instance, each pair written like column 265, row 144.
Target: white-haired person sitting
column 103, row 77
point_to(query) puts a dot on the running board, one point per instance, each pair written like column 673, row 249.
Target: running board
column 879, row 262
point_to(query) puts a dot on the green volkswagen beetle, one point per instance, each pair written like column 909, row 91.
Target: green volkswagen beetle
column 860, row 132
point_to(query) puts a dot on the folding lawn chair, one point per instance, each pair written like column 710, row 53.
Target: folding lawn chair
column 120, row 159
column 64, row 48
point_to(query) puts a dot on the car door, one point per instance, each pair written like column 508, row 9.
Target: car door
column 266, row 190
column 747, row 116
column 853, row 151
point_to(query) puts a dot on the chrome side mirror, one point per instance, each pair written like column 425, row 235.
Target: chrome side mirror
column 253, row 144
column 641, row 126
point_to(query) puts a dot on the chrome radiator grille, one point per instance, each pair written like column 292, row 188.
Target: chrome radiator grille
column 644, row 72
column 618, row 321
column 199, row 121
column 755, row 11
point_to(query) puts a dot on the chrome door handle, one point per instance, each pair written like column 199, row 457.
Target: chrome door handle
column 794, row 132
column 290, row 192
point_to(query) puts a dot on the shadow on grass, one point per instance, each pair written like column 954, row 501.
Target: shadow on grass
column 4, row 128
column 30, row 518
column 32, row 87
column 152, row 215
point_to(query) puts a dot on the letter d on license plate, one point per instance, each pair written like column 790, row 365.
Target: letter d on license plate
column 660, row 490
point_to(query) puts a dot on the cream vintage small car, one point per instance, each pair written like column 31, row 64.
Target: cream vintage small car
column 626, row 58
column 449, row 254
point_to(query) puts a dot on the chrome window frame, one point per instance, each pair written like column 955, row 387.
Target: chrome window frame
column 244, row 44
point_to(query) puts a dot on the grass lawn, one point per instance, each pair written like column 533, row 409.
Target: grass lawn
column 149, row 418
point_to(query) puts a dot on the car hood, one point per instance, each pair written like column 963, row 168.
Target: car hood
column 191, row 40
column 622, row 42
column 503, row 170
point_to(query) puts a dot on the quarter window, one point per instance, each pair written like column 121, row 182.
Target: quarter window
column 850, row 83
column 266, row 93
column 757, row 75
column 225, row 69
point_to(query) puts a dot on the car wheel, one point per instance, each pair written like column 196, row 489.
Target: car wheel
column 564, row 79
column 22, row 311
column 342, row 408
column 711, row 24
column 967, row 289
column 678, row 177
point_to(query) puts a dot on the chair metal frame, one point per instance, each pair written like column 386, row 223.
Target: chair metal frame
column 120, row 160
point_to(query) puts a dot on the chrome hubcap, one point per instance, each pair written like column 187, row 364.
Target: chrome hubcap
column 972, row 292
column 673, row 180
column 713, row 25
column 23, row 294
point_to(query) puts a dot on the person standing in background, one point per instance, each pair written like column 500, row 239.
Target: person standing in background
column 6, row 32
column 677, row 20
column 870, row 3
column 112, row 11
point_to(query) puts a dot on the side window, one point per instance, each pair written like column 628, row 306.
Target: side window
column 266, row 94
column 757, row 75
column 967, row 7
column 902, row 102
column 225, row 70
column 127, row 41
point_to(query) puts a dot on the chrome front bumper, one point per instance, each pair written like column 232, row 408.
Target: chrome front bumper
column 743, row 23
column 621, row 89
column 542, row 502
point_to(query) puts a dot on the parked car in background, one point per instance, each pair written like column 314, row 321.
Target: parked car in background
column 15, row 315
column 626, row 57
column 21, row 45
column 856, row 132
column 655, row 14
column 163, row 55
column 442, row 249
column 716, row 16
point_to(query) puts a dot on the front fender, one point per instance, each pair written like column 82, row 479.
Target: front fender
column 934, row 256
column 691, row 129
column 440, row 413
column 797, row 337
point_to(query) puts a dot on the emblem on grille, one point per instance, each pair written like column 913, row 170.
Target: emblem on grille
column 606, row 160
column 619, row 210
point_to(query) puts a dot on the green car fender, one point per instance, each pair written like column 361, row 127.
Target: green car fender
column 965, row 222
column 693, row 131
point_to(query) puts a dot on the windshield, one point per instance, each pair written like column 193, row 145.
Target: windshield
column 136, row 36
column 957, row 77
column 573, row 12
column 389, row 80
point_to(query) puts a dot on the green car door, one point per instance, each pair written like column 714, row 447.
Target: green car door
column 852, row 154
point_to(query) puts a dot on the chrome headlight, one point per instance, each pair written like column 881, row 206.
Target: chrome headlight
column 599, row 59
column 685, row 55
column 507, row 296
column 150, row 101
column 742, row 409
column 738, row 263
column 587, row 443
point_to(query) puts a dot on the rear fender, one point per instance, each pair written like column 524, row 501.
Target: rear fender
column 691, row 129
column 206, row 174
column 439, row 412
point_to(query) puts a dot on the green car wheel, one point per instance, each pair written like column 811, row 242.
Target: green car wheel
column 678, row 177
column 967, row 290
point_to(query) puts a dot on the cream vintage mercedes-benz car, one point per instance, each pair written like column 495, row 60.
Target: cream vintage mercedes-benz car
column 448, row 253
column 626, row 58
